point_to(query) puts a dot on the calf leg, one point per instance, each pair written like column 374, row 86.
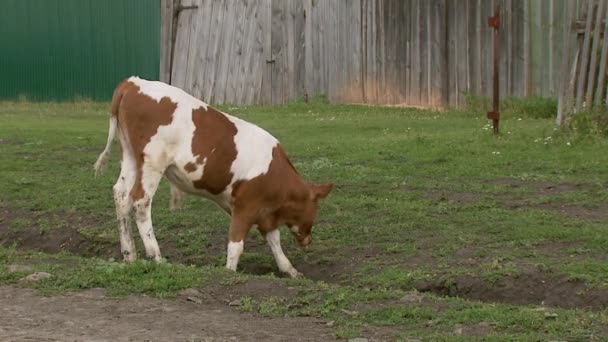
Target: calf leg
column 142, row 194
column 236, row 236
column 122, row 200
column 274, row 241
column 176, row 198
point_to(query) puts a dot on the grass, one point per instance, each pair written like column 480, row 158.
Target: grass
column 419, row 195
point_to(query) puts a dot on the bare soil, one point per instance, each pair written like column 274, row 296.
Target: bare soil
column 66, row 238
column 529, row 190
column 91, row 316
column 533, row 287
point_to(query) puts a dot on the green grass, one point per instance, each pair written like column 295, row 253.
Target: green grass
column 417, row 197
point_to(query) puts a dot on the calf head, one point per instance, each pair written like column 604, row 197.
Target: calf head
column 299, row 213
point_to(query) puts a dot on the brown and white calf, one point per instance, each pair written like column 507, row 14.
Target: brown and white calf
column 163, row 131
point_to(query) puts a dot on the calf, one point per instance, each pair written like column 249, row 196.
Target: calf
column 164, row 131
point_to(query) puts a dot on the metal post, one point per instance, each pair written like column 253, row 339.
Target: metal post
column 494, row 115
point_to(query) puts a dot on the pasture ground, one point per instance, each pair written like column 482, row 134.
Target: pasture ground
column 436, row 230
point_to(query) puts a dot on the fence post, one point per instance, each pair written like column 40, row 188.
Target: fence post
column 494, row 115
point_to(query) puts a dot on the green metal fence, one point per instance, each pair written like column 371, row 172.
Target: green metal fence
column 70, row 49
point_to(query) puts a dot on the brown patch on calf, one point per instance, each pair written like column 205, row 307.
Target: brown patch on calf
column 213, row 143
column 275, row 198
column 139, row 117
column 190, row 167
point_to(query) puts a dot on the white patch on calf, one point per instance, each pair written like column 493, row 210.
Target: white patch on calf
column 254, row 150
column 235, row 249
column 157, row 90
column 123, row 201
column 274, row 241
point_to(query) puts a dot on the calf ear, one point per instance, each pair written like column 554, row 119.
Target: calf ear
column 320, row 191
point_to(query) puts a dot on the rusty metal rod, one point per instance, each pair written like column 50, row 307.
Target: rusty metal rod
column 494, row 115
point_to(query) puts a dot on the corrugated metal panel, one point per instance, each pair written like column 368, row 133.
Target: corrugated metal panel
column 66, row 49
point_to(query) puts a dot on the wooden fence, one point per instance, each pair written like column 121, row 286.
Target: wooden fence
column 409, row 52
column 585, row 62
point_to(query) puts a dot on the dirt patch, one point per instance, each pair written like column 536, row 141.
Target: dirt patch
column 528, row 288
column 596, row 214
column 539, row 187
column 455, row 196
column 336, row 265
column 10, row 142
column 254, row 288
column 553, row 250
column 66, row 236
column 479, row 329
column 90, row 316
column 530, row 190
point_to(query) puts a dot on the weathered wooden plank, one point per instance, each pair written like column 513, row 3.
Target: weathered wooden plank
column 199, row 47
column 322, row 48
column 559, row 46
column 166, row 39
column 475, row 37
column 254, row 56
column 277, row 51
column 265, row 15
column 507, row 53
column 308, row 50
column 485, row 11
column 518, row 84
column 300, row 50
column 414, row 89
column 564, row 96
column 334, row 69
column 459, row 15
column 385, row 45
column 338, row 76
column 226, row 57
column 194, row 47
column 388, row 62
column 344, row 46
column 253, row 87
column 213, row 50
column 599, row 93
column 234, row 51
column 505, row 48
column 290, row 67
column 405, row 55
column 237, row 91
column 592, row 75
column 545, row 31
column 450, row 50
column 535, row 45
column 182, row 44
column 584, row 58
column 423, row 53
column 208, row 10
column 442, row 37
column 401, row 53
column 370, row 53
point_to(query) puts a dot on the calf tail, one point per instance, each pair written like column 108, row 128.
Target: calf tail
column 104, row 157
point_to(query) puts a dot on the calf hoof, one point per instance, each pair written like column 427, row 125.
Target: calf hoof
column 293, row 273
column 128, row 257
column 156, row 258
